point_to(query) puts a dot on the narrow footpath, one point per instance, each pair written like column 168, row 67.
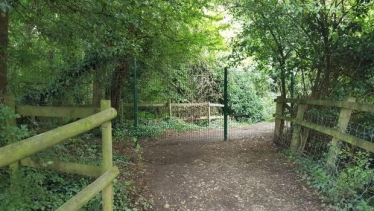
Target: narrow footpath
column 242, row 174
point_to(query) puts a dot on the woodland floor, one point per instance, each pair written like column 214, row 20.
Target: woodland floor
column 245, row 173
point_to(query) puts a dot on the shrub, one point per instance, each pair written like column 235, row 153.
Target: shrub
column 244, row 104
column 348, row 188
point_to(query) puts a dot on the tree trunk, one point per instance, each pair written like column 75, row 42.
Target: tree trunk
column 4, row 23
column 98, row 78
column 118, row 82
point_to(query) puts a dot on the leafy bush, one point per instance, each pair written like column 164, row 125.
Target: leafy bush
column 8, row 132
column 243, row 102
column 349, row 188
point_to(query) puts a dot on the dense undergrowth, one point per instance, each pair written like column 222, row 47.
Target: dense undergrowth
column 36, row 189
column 349, row 187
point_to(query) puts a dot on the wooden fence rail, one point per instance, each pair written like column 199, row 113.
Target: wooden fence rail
column 338, row 133
column 25, row 148
column 18, row 153
column 169, row 105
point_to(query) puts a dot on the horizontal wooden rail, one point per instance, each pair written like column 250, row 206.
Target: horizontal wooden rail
column 216, row 105
column 332, row 132
column 339, row 104
column 66, row 167
column 203, row 118
column 188, row 104
column 51, row 111
column 145, row 105
column 25, row 148
column 79, row 200
column 173, row 104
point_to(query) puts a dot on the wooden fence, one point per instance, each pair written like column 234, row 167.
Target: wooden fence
column 169, row 105
column 299, row 139
column 18, row 153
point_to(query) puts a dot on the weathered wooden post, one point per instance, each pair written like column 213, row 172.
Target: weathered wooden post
column 296, row 144
column 10, row 102
column 169, row 103
column 278, row 122
column 106, row 128
column 208, row 113
column 344, row 116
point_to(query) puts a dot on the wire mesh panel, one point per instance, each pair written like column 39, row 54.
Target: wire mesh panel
column 335, row 146
column 174, row 104
column 180, row 102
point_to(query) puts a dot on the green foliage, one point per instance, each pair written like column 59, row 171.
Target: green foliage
column 349, row 188
column 244, row 103
column 327, row 46
column 10, row 133
column 4, row 6
column 34, row 189
column 47, row 43
column 22, row 192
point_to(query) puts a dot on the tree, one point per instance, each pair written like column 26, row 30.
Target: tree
column 98, row 41
column 4, row 22
column 320, row 43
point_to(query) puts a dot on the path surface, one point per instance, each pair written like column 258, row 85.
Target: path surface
column 242, row 174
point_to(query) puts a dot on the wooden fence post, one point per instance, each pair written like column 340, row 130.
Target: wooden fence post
column 169, row 103
column 296, row 144
column 208, row 113
column 106, row 128
column 344, row 116
column 10, row 102
column 278, row 122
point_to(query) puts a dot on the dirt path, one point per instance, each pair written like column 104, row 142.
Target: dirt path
column 242, row 174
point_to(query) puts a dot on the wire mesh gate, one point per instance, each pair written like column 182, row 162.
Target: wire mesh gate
column 181, row 105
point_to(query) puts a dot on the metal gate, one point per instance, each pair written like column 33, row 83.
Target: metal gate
column 176, row 105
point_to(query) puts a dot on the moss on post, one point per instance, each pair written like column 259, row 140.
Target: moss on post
column 344, row 116
column 90, row 191
column 66, row 167
column 296, row 140
column 106, row 128
column 27, row 147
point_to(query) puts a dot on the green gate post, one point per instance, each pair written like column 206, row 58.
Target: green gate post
column 135, row 138
column 225, row 108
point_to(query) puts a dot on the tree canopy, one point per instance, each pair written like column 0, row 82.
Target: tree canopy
column 325, row 45
column 66, row 40
column 307, row 48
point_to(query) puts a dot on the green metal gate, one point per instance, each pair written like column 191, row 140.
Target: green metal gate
column 182, row 105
